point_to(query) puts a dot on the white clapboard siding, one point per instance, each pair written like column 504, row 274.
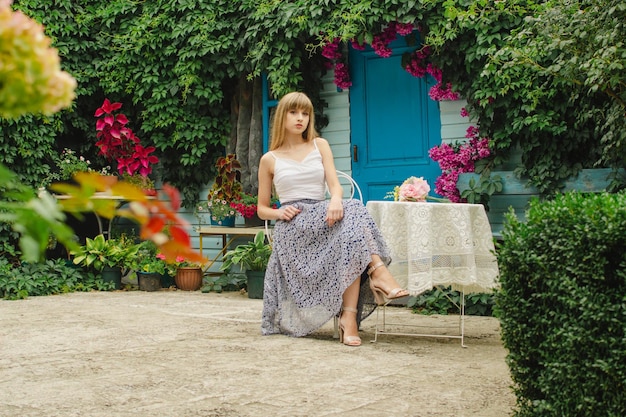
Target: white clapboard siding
column 337, row 132
column 453, row 125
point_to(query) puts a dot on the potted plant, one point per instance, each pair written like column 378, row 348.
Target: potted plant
column 66, row 165
column 252, row 258
column 187, row 275
column 111, row 257
column 225, row 191
column 247, row 206
column 145, row 183
column 150, row 267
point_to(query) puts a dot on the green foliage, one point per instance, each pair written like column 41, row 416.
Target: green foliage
column 252, row 256
column 46, row 278
column 562, row 305
column 99, row 252
column 32, row 219
column 545, row 76
column 513, row 62
column 479, row 192
column 581, row 44
column 26, row 145
column 146, row 260
column 447, row 301
column 224, row 282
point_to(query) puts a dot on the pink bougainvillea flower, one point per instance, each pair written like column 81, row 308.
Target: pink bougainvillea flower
column 458, row 159
column 342, row 76
column 331, row 49
column 404, row 29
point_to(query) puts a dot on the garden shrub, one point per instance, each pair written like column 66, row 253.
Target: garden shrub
column 562, row 305
column 46, row 278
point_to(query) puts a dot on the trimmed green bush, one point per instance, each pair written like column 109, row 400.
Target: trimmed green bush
column 562, row 305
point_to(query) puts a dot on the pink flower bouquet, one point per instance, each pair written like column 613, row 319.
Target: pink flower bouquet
column 414, row 189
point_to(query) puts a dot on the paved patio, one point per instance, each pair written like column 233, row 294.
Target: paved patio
column 175, row 353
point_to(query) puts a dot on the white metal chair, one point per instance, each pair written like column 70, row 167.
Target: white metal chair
column 351, row 190
column 353, row 187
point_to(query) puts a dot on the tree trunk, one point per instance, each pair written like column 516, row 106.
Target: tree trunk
column 247, row 130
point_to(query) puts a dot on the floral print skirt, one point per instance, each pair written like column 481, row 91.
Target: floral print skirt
column 312, row 264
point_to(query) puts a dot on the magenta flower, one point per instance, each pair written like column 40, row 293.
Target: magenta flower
column 404, row 29
column 331, row 50
column 356, row 45
column 118, row 143
column 457, row 159
column 342, row 76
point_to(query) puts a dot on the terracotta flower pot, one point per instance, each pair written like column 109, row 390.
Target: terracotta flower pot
column 188, row 278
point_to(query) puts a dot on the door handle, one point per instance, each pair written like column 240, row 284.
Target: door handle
column 355, row 154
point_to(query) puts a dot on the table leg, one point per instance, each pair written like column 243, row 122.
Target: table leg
column 225, row 244
column 381, row 328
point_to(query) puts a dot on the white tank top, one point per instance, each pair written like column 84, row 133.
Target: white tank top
column 295, row 180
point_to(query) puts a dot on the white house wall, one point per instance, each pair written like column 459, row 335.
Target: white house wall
column 337, row 132
column 453, row 126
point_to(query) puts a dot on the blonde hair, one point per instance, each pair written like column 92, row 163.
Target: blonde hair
column 292, row 101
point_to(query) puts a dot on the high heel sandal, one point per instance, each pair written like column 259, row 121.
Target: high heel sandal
column 380, row 295
column 348, row 340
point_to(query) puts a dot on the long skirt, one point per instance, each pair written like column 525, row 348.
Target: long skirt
column 312, row 264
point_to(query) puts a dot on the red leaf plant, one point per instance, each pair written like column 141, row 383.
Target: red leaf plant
column 118, row 143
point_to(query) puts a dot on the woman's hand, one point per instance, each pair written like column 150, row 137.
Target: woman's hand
column 334, row 212
column 287, row 213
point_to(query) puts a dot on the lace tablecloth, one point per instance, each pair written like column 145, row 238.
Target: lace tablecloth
column 438, row 244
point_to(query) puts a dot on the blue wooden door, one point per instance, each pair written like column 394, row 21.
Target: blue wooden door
column 393, row 123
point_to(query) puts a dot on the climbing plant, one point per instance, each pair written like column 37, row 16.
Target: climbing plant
column 515, row 62
column 175, row 65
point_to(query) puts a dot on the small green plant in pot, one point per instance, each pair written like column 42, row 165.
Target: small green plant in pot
column 252, row 258
column 149, row 260
column 107, row 255
column 150, row 267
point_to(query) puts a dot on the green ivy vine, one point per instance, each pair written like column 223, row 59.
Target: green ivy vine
column 175, row 63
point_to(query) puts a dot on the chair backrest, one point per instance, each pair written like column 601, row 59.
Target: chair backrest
column 349, row 184
column 347, row 181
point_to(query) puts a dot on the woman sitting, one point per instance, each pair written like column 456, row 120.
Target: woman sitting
column 328, row 256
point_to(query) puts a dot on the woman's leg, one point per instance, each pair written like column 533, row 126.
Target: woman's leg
column 347, row 320
column 382, row 279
